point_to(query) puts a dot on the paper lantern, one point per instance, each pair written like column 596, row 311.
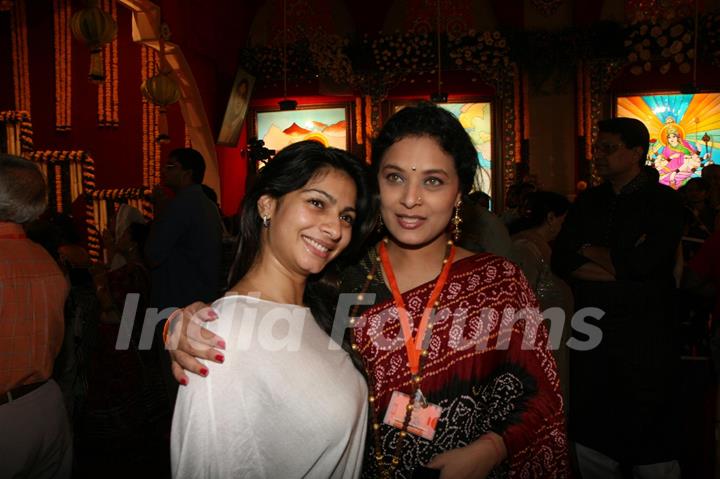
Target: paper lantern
column 94, row 27
column 161, row 90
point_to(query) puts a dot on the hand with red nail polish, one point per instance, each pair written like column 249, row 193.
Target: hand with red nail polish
column 189, row 341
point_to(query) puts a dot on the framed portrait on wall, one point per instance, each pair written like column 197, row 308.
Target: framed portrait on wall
column 684, row 131
column 236, row 108
column 476, row 115
column 327, row 124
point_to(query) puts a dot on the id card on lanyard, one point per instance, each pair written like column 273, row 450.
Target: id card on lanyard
column 424, row 416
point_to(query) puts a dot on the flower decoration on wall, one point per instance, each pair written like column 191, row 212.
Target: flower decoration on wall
column 400, row 55
column 711, row 38
column 479, row 51
column 547, row 7
column 266, row 62
column 659, row 45
column 329, row 53
column 17, row 131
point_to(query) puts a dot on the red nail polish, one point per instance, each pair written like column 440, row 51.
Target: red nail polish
column 221, row 344
column 220, row 358
column 203, row 372
column 183, row 381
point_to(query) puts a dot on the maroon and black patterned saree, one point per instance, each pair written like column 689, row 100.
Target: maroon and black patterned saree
column 487, row 372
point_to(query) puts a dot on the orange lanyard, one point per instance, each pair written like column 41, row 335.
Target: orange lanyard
column 413, row 345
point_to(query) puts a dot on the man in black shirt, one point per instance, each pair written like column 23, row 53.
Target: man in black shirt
column 617, row 249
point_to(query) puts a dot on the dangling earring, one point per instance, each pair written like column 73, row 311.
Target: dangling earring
column 266, row 221
column 379, row 224
column 456, row 221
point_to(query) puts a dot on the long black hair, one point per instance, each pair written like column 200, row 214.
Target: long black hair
column 429, row 120
column 290, row 170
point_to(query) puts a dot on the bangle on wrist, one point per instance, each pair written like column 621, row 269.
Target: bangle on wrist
column 167, row 329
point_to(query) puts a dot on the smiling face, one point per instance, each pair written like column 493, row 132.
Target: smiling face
column 673, row 139
column 419, row 187
column 311, row 226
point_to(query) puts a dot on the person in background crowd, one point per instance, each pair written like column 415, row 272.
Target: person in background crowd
column 617, row 248
column 711, row 174
column 35, row 439
column 543, row 213
column 184, row 247
column 57, row 233
column 482, row 230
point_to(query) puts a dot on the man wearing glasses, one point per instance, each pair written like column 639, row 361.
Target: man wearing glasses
column 184, row 249
column 617, row 249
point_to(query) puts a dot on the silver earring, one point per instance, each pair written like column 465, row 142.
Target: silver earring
column 266, row 221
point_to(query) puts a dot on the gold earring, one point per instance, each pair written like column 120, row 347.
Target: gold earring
column 456, row 221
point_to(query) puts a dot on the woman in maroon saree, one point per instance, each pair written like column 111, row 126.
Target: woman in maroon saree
column 448, row 328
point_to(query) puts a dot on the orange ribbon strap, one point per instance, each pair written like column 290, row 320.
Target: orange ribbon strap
column 413, row 345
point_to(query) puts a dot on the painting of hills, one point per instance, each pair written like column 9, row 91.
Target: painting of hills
column 279, row 129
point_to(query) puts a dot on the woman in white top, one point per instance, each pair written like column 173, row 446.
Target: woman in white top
column 288, row 401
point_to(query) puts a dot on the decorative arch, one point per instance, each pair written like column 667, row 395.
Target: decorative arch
column 146, row 29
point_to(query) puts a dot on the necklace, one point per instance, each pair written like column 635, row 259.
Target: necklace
column 414, row 345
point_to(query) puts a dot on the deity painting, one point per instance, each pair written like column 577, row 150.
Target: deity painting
column 684, row 132
column 236, row 108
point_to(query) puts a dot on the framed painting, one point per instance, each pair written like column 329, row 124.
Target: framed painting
column 684, row 131
column 236, row 108
column 327, row 124
column 476, row 116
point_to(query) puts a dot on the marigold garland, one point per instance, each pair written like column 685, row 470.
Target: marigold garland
column 368, row 128
column 108, row 100
column 588, row 116
column 517, row 134
column 106, row 201
column 58, row 189
column 525, row 106
column 579, row 105
column 63, row 62
column 188, row 140
column 21, row 74
column 66, row 168
column 151, row 150
column 358, row 120
column 19, row 131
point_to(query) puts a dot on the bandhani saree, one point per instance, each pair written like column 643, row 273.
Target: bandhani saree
column 487, row 369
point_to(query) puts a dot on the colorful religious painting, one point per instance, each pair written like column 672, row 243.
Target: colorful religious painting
column 684, row 132
column 279, row 129
column 476, row 117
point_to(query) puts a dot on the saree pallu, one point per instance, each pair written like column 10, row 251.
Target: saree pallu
column 487, row 371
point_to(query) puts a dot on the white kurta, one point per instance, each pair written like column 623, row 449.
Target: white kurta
column 287, row 402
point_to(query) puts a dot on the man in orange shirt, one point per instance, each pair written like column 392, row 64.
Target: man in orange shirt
column 35, row 438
